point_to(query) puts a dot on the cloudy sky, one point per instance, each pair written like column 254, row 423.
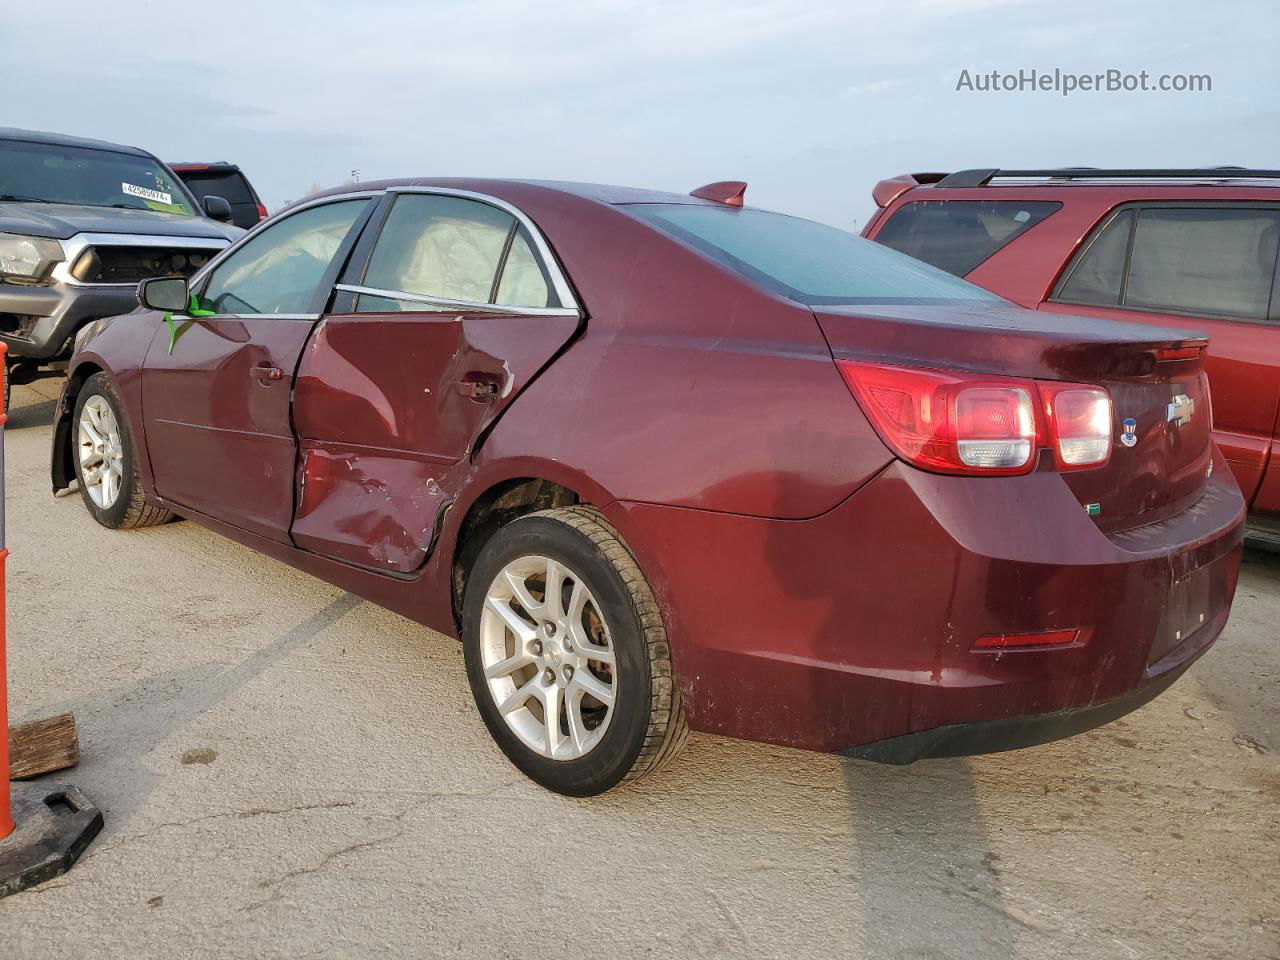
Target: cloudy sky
column 810, row 102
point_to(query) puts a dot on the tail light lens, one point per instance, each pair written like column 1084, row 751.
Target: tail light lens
column 262, row 212
column 988, row 426
column 1081, row 419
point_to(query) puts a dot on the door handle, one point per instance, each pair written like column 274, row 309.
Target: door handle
column 266, row 372
column 481, row 391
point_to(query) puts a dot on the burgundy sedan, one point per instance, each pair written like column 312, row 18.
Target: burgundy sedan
column 668, row 462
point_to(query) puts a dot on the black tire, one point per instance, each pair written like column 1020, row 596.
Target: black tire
column 130, row 508
column 647, row 727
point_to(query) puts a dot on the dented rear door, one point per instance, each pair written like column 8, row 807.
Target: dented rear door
column 386, row 409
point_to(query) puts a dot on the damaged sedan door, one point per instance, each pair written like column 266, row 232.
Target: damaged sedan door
column 447, row 309
column 216, row 380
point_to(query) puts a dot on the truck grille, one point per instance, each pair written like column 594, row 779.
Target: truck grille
column 122, row 264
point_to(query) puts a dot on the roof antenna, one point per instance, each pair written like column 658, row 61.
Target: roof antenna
column 722, row 191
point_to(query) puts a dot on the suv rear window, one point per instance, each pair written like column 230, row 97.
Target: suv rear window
column 230, row 185
column 802, row 260
column 957, row 235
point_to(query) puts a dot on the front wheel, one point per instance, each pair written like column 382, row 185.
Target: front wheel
column 567, row 655
column 106, row 460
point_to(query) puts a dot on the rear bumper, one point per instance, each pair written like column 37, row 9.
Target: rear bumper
column 994, row 736
column 858, row 626
column 37, row 323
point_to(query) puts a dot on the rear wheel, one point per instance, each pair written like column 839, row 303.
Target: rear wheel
column 106, row 462
column 567, row 655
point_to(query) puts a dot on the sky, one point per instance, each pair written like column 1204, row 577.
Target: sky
column 809, row 102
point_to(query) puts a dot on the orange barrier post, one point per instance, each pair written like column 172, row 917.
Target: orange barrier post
column 6, row 812
column 44, row 826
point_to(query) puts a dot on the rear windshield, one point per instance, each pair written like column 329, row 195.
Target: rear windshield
column 805, row 261
column 957, row 235
column 49, row 173
column 230, row 185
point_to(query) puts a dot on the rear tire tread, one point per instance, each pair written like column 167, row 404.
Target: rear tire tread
column 668, row 729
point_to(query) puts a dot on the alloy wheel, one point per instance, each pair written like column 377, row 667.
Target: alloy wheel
column 548, row 657
column 101, row 452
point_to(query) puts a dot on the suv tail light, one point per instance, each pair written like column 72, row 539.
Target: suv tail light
column 262, row 211
column 978, row 425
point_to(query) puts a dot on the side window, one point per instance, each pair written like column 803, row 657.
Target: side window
column 523, row 284
column 1204, row 260
column 456, row 249
column 279, row 270
column 958, row 235
column 438, row 246
column 1097, row 275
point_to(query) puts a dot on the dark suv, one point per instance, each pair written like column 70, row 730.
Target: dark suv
column 1194, row 249
column 81, row 222
column 226, row 180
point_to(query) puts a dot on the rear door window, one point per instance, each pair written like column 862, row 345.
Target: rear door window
column 1098, row 275
column 958, row 235
column 452, row 249
column 1204, row 261
column 1197, row 260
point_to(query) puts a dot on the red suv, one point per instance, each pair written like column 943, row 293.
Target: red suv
column 656, row 457
column 1192, row 249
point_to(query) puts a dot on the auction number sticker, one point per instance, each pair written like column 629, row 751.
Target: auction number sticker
column 159, row 196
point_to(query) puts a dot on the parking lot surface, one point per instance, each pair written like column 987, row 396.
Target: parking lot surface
column 288, row 771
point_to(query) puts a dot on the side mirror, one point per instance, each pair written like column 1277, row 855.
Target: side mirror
column 217, row 208
column 164, row 293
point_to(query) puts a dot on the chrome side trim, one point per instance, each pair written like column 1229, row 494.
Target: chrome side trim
column 77, row 245
column 445, row 305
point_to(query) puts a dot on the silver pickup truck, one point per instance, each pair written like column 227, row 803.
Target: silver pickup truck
column 81, row 222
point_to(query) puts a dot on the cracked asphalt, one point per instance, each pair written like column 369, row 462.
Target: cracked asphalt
column 287, row 772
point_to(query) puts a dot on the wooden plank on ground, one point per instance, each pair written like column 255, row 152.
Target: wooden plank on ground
column 42, row 746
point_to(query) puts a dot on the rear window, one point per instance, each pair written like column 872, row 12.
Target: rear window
column 805, row 261
column 230, row 186
column 957, row 235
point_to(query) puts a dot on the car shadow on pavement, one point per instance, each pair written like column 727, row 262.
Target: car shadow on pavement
column 122, row 726
column 37, row 414
column 924, row 853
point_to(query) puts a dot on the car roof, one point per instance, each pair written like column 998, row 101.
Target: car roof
column 213, row 166
column 64, row 140
column 599, row 192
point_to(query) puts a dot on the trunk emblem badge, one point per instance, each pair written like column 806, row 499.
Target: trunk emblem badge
column 1129, row 432
column 1180, row 410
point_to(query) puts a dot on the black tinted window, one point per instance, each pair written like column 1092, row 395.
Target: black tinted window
column 957, row 235
column 805, row 261
column 231, row 186
column 1204, row 260
column 1097, row 275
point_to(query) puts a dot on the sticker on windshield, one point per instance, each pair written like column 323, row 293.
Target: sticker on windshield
column 159, row 196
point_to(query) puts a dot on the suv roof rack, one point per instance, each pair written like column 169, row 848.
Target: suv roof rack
column 982, row 177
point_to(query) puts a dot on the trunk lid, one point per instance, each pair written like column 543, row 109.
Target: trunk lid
column 1162, row 447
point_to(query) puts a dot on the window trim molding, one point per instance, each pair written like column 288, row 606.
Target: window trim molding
column 1272, row 316
column 445, row 305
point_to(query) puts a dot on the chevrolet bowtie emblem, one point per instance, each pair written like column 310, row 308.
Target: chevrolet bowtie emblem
column 1181, row 408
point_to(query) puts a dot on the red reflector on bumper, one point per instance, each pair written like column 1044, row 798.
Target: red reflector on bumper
column 1005, row 641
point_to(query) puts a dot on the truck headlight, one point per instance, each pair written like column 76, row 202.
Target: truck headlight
column 28, row 259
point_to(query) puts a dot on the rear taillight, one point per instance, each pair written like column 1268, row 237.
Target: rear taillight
column 989, row 426
column 1081, row 421
column 262, row 212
